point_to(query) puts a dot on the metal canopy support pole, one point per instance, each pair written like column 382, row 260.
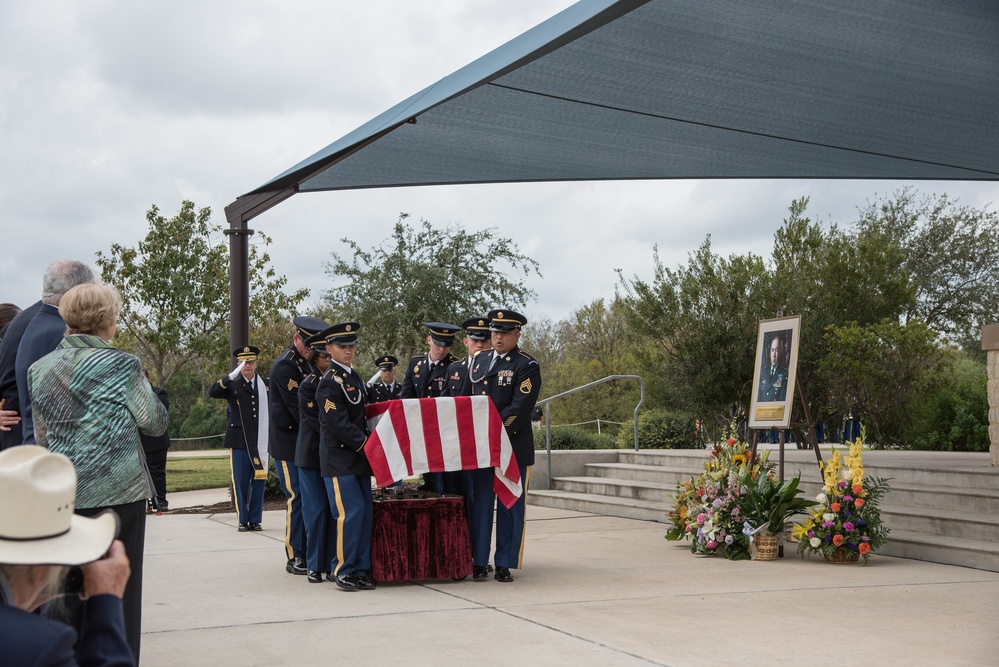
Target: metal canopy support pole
column 238, row 214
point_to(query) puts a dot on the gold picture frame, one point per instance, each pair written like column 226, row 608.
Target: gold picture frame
column 775, row 372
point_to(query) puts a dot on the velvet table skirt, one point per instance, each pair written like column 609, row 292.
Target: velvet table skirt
column 420, row 539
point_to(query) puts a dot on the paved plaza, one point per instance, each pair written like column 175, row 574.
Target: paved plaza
column 595, row 590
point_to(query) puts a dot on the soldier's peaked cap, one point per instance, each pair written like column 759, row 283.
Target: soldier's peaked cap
column 441, row 333
column 386, row 362
column 505, row 320
column 309, row 326
column 344, row 333
column 317, row 341
column 246, row 353
column 476, row 328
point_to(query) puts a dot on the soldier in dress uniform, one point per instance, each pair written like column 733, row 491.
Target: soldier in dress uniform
column 246, row 435
column 341, row 398
column 426, row 377
column 512, row 379
column 477, row 339
column 426, row 374
column 287, row 373
column 319, row 544
column 386, row 389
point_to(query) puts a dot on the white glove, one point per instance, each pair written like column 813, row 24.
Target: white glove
column 236, row 371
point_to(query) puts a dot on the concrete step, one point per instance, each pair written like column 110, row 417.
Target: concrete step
column 605, row 505
column 941, row 508
column 967, row 500
column 933, row 468
column 641, row 472
column 656, row 492
column 980, row 554
column 941, row 522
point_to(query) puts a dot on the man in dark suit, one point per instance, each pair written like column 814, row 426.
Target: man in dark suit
column 287, row 373
column 343, row 430
column 512, row 379
column 155, row 448
column 246, row 435
column 426, row 377
column 59, row 278
column 774, row 377
column 386, row 389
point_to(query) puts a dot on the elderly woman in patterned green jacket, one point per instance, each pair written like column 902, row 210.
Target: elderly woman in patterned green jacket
column 91, row 401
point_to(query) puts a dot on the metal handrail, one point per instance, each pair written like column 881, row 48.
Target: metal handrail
column 548, row 414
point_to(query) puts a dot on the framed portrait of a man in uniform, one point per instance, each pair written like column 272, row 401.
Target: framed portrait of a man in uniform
column 773, row 378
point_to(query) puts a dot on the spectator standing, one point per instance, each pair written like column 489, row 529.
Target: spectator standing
column 91, row 401
column 59, row 278
column 155, row 448
column 38, row 544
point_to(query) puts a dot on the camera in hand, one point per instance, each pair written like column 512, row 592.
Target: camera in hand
column 74, row 581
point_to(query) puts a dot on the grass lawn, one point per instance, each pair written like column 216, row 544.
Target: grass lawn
column 191, row 474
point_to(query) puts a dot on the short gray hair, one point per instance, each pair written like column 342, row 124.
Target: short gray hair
column 63, row 276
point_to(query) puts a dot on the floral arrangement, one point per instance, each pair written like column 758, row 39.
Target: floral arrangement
column 848, row 520
column 707, row 509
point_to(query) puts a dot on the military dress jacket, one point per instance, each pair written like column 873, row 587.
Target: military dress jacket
column 242, row 423
column 458, row 383
column 287, row 373
column 341, row 398
column 513, row 384
column 307, row 446
column 421, row 383
column 380, row 392
column 773, row 385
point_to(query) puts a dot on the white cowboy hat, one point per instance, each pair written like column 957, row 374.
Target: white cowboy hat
column 37, row 523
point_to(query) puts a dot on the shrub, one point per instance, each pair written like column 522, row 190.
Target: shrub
column 662, row 429
column 571, row 437
column 955, row 417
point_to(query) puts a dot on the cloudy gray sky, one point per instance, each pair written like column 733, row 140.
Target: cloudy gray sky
column 109, row 107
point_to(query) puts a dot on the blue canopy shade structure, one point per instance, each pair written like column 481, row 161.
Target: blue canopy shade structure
column 663, row 89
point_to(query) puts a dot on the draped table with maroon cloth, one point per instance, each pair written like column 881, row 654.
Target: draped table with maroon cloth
column 425, row 538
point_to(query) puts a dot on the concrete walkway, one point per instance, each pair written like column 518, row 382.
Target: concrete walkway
column 595, row 590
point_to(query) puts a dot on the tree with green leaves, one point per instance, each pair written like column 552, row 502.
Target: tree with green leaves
column 950, row 254
column 882, row 370
column 425, row 274
column 700, row 320
column 175, row 295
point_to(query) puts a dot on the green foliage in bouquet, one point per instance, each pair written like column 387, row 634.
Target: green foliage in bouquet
column 772, row 503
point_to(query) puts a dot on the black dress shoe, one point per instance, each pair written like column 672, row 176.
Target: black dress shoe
column 255, row 527
column 347, row 582
column 479, row 572
column 315, row 577
column 503, row 574
column 365, row 583
column 243, row 527
column 296, row 565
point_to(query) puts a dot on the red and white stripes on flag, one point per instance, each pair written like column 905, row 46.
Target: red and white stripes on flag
column 413, row 436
